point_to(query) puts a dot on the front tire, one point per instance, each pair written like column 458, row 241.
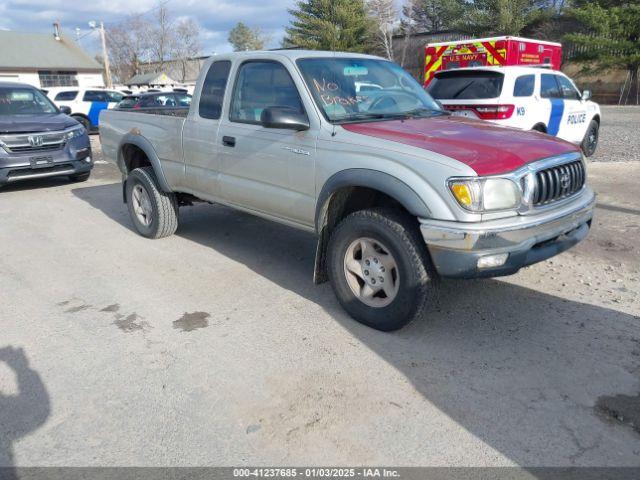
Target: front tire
column 379, row 268
column 590, row 141
column 154, row 213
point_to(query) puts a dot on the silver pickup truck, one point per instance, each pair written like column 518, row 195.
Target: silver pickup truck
column 350, row 147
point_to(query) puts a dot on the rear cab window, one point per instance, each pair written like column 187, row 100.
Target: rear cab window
column 466, row 85
column 66, row 96
column 213, row 88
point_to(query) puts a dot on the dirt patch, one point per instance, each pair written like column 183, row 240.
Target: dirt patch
column 621, row 408
column 78, row 309
column 192, row 321
column 130, row 323
column 111, row 308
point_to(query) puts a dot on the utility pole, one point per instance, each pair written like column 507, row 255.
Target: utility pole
column 105, row 56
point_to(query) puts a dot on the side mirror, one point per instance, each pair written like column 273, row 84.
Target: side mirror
column 284, row 117
column 586, row 95
column 66, row 110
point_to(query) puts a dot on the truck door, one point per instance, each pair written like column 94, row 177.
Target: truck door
column 265, row 169
column 200, row 133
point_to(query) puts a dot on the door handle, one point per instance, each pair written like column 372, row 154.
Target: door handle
column 229, row 141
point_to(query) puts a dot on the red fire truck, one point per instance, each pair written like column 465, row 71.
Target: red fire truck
column 490, row 51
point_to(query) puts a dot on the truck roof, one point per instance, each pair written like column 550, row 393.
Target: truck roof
column 292, row 54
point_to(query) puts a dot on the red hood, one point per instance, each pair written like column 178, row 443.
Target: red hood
column 487, row 148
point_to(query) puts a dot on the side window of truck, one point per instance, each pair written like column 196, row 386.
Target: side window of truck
column 259, row 85
column 524, row 86
column 213, row 89
column 549, row 86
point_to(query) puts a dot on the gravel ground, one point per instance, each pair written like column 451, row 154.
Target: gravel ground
column 619, row 135
column 213, row 347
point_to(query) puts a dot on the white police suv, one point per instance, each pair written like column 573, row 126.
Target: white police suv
column 85, row 103
column 531, row 98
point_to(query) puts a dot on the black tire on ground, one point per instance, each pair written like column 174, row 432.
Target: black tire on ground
column 539, row 128
column 590, row 140
column 80, row 177
column 400, row 234
column 83, row 121
column 164, row 206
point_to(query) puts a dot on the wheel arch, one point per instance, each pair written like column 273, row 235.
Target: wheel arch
column 540, row 127
column 136, row 151
column 351, row 190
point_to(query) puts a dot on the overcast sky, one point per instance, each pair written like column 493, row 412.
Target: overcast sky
column 215, row 17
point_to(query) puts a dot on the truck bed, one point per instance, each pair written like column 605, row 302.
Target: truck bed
column 162, row 128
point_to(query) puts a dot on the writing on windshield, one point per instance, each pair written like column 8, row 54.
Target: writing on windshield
column 358, row 89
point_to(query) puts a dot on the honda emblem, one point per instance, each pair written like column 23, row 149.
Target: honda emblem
column 35, row 140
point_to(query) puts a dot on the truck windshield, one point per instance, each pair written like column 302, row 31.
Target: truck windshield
column 466, row 85
column 24, row 101
column 361, row 89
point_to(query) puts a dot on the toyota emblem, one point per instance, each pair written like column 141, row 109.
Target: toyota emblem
column 565, row 180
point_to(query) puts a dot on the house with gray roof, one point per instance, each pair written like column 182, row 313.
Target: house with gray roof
column 46, row 60
column 153, row 79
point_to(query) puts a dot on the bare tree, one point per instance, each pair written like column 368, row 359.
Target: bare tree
column 407, row 26
column 139, row 40
column 161, row 36
column 385, row 17
column 128, row 46
column 186, row 45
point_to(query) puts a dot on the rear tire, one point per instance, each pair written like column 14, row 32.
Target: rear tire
column 154, row 213
column 539, row 128
column 590, row 140
column 389, row 238
column 80, row 177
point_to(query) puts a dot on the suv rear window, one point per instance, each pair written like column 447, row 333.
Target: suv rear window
column 66, row 96
column 466, row 85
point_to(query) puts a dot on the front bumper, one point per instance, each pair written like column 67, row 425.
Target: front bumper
column 66, row 161
column 456, row 247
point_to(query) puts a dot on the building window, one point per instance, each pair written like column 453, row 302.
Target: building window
column 53, row 78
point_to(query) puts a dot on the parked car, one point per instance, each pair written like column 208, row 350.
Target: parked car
column 37, row 140
column 531, row 98
column 85, row 103
column 398, row 191
column 155, row 100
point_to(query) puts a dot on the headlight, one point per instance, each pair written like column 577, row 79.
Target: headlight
column 75, row 132
column 485, row 194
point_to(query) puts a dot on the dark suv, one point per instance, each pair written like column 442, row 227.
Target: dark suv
column 37, row 139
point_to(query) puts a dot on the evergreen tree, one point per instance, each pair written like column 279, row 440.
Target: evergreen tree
column 337, row 25
column 433, row 15
column 611, row 37
column 242, row 38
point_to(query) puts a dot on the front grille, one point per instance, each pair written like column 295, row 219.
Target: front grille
column 33, row 142
column 558, row 182
column 42, row 148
